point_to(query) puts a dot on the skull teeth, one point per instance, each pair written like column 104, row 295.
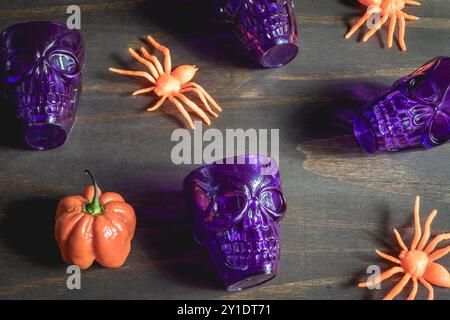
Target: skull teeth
column 392, row 124
column 51, row 103
column 250, row 247
column 51, row 98
column 237, row 261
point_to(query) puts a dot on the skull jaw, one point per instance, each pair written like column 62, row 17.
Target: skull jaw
column 47, row 126
column 386, row 124
column 236, row 279
column 269, row 37
column 46, row 131
column 248, row 262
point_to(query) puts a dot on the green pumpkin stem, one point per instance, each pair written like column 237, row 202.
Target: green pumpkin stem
column 94, row 207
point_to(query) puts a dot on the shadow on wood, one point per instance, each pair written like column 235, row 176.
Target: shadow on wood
column 28, row 229
column 166, row 224
column 9, row 127
column 350, row 3
column 335, row 116
column 198, row 27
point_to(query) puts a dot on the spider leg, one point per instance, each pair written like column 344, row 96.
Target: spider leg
column 391, row 29
column 429, row 287
column 145, row 90
column 400, row 240
column 432, row 245
column 388, row 257
column 427, row 232
column 194, row 108
column 413, row 293
column 134, row 73
column 153, row 59
column 202, row 98
column 158, row 104
column 148, row 64
column 439, row 253
column 398, row 288
column 411, row 2
column 401, row 32
column 206, row 94
column 375, row 28
column 417, row 228
column 360, row 22
column 385, row 275
column 165, row 51
column 183, row 111
column 410, row 17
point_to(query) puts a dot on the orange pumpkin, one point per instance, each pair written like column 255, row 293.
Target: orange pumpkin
column 94, row 227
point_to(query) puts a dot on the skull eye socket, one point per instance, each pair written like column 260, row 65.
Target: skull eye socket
column 19, row 66
column 439, row 128
column 64, row 63
column 232, row 203
column 423, row 88
column 273, row 201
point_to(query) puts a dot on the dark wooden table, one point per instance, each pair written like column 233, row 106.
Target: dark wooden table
column 342, row 202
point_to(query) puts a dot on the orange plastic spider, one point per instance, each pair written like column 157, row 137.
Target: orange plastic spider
column 388, row 9
column 418, row 262
column 171, row 85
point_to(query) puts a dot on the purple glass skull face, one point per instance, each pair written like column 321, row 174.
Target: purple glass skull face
column 415, row 112
column 266, row 28
column 41, row 73
column 237, row 215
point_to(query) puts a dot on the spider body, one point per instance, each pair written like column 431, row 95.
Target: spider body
column 167, row 85
column 418, row 262
column 171, row 84
column 391, row 6
column 391, row 10
column 414, row 262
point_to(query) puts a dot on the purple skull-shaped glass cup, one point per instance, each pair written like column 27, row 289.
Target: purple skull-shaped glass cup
column 41, row 73
column 415, row 112
column 266, row 28
column 238, row 206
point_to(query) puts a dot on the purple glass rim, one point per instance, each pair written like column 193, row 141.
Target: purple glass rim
column 259, row 160
column 253, row 280
column 57, row 23
column 54, row 137
column 365, row 134
column 278, row 55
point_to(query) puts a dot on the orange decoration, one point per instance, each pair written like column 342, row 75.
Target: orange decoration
column 386, row 9
column 417, row 263
column 94, row 227
column 171, row 85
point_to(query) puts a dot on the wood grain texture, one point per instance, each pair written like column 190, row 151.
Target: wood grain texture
column 342, row 202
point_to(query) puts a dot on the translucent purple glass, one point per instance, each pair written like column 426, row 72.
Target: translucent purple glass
column 415, row 112
column 41, row 71
column 238, row 207
column 266, row 28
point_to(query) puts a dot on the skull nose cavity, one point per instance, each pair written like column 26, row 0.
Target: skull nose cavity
column 44, row 136
column 254, row 218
